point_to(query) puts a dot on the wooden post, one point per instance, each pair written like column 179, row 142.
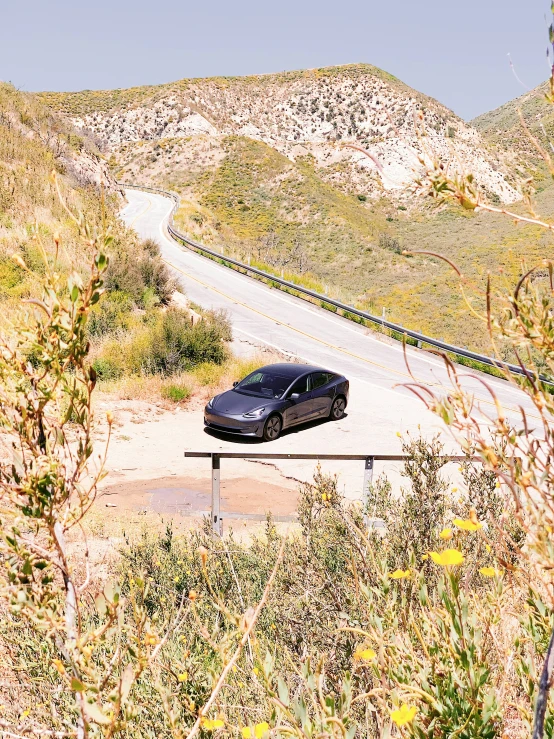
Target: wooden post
column 217, row 524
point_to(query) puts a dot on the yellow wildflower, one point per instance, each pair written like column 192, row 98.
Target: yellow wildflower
column 25, row 713
column 489, row 572
column 399, row 574
column 182, row 676
column 365, row 655
column 446, row 534
column 399, row 434
column 448, row 558
column 259, row 731
column 467, row 525
column 255, row 671
column 424, row 557
column 58, row 664
column 488, row 547
column 404, row 715
column 212, row 724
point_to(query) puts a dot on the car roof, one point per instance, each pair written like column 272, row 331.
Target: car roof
column 291, row 370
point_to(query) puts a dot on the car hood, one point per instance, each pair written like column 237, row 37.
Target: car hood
column 237, row 403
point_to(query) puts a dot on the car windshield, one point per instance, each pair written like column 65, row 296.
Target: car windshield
column 264, row 384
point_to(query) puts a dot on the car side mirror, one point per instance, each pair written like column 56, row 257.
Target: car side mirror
column 235, row 384
column 294, row 396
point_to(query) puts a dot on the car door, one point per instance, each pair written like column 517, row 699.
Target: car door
column 323, row 392
column 300, row 409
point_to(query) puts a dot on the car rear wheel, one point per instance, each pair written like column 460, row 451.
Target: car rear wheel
column 337, row 409
column 272, row 428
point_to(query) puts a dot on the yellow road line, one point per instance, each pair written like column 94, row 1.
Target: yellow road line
column 142, row 213
column 292, row 328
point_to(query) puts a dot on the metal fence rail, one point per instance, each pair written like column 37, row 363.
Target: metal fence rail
column 368, row 460
column 378, row 321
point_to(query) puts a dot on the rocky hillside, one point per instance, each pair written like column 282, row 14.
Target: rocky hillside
column 322, row 113
column 268, row 166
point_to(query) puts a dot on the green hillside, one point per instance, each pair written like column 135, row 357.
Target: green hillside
column 258, row 203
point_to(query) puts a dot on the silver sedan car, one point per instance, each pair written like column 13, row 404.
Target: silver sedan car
column 276, row 397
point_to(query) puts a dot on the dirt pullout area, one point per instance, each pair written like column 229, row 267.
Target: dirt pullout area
column 191, row 496
column 148, row 475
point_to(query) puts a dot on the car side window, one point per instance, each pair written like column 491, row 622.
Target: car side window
column 319, row 379
column 301, row 386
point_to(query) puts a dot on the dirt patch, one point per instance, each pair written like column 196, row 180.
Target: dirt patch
column 241, row 497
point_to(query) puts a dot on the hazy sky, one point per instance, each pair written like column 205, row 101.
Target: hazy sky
column 453, row 50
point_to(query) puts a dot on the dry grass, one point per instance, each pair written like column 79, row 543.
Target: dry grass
column 204, row 381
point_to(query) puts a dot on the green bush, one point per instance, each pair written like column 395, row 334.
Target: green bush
column 166, row 343
column 156, row 276
column 110, row 314
column 133, row 272
column 175, row 391
column 106, row 369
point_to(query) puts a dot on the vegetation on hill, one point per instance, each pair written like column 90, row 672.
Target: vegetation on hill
column 52, row 180
column 505, row 126
column 90, row 101
column 264, row 168
column 241, row 194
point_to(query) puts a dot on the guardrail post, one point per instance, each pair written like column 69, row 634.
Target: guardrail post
column 217, row 523
column 368, row 479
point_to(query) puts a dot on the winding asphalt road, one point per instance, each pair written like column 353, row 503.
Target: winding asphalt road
column 380, row 406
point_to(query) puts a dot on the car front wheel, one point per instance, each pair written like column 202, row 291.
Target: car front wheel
column 272, row 428
column 337, row 409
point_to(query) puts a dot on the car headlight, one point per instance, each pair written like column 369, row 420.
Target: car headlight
column 254, row 414
column 211, row 402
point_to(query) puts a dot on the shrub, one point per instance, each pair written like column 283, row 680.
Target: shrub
column 157, row 277
column 175, row 391
column 208, row 373
column 133, row 272
column 166, row 343
column 389, row 242
column 110, row 314
column 106, row 369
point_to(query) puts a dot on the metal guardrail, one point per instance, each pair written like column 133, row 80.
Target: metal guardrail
column 368, row 460
column 382, row 322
